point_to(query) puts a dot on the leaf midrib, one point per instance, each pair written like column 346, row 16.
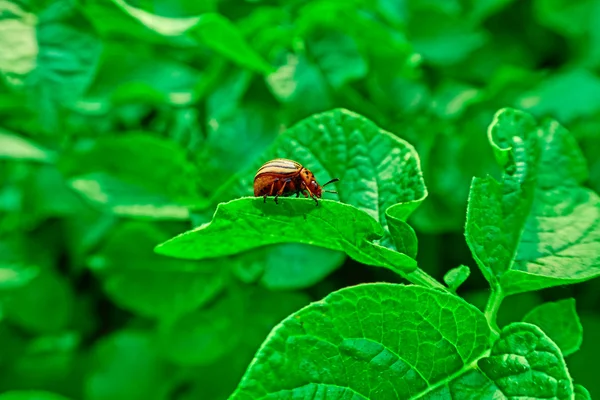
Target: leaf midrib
column 521, row 230
column 450, row 378
column 318, row 384
column 366, row 239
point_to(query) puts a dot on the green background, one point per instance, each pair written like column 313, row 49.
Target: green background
column 122, row 123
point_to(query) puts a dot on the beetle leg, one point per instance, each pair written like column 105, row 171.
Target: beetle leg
column 271, row 190
column 312, row 196
column 280, row 192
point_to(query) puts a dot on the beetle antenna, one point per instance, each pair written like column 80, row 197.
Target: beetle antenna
column 330, row 191
column 331, row 181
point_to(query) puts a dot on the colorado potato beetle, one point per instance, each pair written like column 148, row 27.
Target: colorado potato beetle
column 283, row 177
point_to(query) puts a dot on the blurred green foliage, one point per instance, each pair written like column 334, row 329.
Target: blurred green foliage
column 122, row 124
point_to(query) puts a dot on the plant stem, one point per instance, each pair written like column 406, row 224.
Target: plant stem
column 492, row 307
column 420, row 277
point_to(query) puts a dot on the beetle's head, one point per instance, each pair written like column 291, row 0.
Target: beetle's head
column 311, row 183
column 316, row 189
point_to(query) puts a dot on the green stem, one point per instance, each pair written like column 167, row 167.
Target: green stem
column 492, row 307
column 420, row 277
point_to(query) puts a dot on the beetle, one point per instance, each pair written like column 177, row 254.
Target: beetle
column 283, row 177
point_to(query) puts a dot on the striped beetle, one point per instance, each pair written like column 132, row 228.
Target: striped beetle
column 283, row 177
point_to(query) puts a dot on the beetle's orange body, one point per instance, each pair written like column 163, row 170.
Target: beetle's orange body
column 283, row 177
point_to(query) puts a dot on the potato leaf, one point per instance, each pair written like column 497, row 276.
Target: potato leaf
column 376, row 169
column 134, row 277
column 213, row 30
column 126, row 365
column 249, row 223
column 373, row 341
column 559, row 320
column 31, row 395
column 403, row 235
column 26, row 305
column 104, row 174
column 18, row 148
column 553, row 96
column 355, row 344
column 457, row 276
column 242, row 315
column 525, row 363
column 538, row 227
column 582, row 393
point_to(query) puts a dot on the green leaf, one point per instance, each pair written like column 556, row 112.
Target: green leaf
column 220, row 34
column 525, row 363
column 15, row 147
column 440, row 33
column 581, row 393
column 486, row 8
column 338, row 58
column 376, row 168
column 385, row 45
column 384, row 340
column 249, row 223
column 127, row 76
column 576, row 21
column 264, row 265
column 31, row 395
column 342, row 144
column 262, row 311
column 227, row 97
column 18, row 44
column 554, row 97
column 128, row 200
column 452, row 99
column 56, row 57
column 163, row 25
column 148, row 284
column 12, row 345
column 538, row 227
column 113, row 155
column 125, row 366
column 350, row 344
column 301, row 273
column 45, row 194
column 48, row 362
column 559, row 320
column 206, row 335
column 105, row 175
column 27, row 305
column 448, row 182
column 239, row 133
column 579, row 362
column 211, row 29
column 513, row 307
column 299, row 84
column 402, row 234
column 15, row 275
column 68, row 53
column 457, row 276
